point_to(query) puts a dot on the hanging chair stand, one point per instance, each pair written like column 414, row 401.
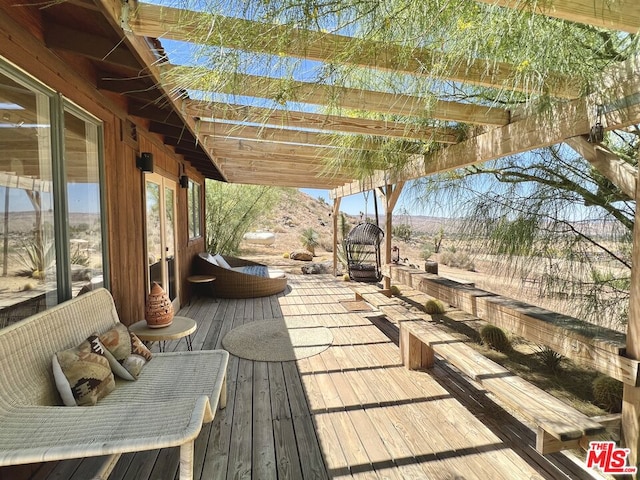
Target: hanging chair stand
column 362, row 248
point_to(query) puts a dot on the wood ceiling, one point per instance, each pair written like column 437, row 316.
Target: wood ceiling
column 257, row 145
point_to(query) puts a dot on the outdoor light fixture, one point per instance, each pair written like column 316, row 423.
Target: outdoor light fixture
column 395, row 254
column 184, row 179
column 145, row 162
column 596, row 134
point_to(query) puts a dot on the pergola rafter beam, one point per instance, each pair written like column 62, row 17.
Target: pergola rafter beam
column 619, row 172
column 318, row 121
column 568, row 120
column 284, row 90
column 623, row 15
column 229, row 32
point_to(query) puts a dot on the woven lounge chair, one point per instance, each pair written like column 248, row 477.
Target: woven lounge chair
column 240, row 278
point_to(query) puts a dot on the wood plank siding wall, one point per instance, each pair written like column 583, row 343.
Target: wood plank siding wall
column 22, row 42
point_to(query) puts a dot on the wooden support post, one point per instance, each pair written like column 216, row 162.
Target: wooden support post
column 336, row 213
column 631, row 395
column 390, row 195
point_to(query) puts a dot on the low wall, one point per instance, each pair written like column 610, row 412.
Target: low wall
column 596, row 347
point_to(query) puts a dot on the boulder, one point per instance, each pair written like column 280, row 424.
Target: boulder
column 301, row 255
column 315, row 268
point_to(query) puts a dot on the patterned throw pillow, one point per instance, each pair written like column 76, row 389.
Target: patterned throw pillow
column 125, row 352
column 82, row 374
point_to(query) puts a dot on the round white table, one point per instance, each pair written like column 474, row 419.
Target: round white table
column 181, row 327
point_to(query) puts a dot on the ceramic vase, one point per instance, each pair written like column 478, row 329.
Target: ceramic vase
column 159, row 310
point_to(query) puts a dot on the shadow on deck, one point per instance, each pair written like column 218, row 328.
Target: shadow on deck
column 352, row 411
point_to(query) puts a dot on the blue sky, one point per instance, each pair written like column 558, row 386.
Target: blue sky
column 354, row 204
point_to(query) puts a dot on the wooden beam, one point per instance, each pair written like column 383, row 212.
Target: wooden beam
column 623, row 15
column 258, row 147
column 329, row 123
column 267, row 134
column 155, row 113
column 90, row 45
column 619, row 172
column 335, row 213
column 390, row 195
column 290, row 180
column 217, row 130
column 115, row 13
column 236, row 33
column 284, row 90
column 263, row 157
column 631, row 394
column 568, row 120
column 239, row 163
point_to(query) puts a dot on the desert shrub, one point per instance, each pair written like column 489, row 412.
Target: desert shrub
column 457, row 259
column 232, row 210
column 346, row 277
column 426, row 251
column 395, row 290
column 495, row 338
column 285, row 255
column 433, row 307
column 310, row 240
column 551, row 359
column 402, row 231
column 607, row 393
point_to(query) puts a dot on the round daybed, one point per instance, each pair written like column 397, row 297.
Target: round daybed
column 239, row 278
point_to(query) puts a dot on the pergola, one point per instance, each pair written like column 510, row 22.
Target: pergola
column 258, row 145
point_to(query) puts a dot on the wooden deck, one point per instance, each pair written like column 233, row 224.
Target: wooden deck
column 352, row 411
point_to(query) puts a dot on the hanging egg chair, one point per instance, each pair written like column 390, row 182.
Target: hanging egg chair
column 362, row 248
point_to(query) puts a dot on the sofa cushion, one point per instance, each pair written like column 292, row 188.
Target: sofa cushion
column 221, row 261
column 83, row 374
column 260, row 271
column 209, row 258
column 125, row 352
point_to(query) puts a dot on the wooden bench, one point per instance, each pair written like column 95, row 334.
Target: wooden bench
column 559, row 426
column 165, row 407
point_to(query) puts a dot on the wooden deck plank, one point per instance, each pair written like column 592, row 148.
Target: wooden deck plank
column 264, row 454
column 241, row 442
column 350, row 412
column 312, row 464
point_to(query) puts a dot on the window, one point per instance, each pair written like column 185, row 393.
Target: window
column 195, row 208
column 51, row 242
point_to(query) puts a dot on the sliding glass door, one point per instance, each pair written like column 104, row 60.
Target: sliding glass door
column 161, row 235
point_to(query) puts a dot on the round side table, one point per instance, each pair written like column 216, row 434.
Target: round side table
column 203, row 280
column 181, row 327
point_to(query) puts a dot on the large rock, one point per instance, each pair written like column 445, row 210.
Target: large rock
column 324, row 267
column 301, row 255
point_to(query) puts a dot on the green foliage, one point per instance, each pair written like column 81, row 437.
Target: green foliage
column 403, row 231
column 310, row 240
column 607, row 393
column 426, row 251
column 395, row 290
column 551, row 359
column 437, row 241
column 514, row 237
column 344, row 226
column 495, row 338
column 434, row 307
column 232, row 210
column 322, row 201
